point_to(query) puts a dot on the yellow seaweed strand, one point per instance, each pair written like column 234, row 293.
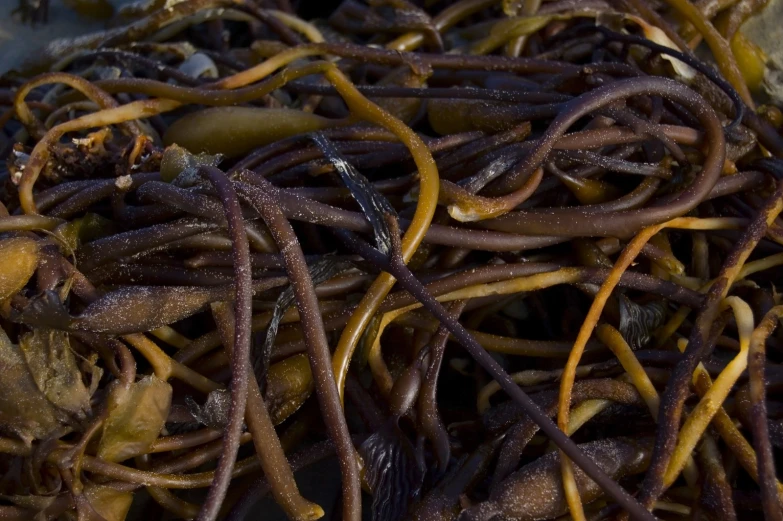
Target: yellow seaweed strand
column 706, row 409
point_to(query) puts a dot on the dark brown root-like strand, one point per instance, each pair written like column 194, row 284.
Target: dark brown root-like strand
column 240, row 357
column 761, row 440
column 318, row 347
column 431, row 422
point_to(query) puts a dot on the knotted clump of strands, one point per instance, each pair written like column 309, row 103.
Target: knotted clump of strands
column 489, row 260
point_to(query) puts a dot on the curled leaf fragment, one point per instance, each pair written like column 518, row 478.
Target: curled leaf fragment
column 24, row 410
column 109, row 503
column 53, row 366
column 137, row 414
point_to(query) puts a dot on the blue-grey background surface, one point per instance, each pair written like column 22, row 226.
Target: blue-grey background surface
column 18, row 41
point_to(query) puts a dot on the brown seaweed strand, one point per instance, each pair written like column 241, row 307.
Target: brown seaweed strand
column 429, row 417
column 240, row 359
column 268, row 446
column 318, row 347
column 758, row 400
column 673, row 397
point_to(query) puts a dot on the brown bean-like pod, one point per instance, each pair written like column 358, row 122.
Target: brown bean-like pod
column 19, row 258
column 24, row 410
column 130, row 309
column 289, row 384
column 54, row 368
column 536, row 490
column 143, row 308
column 233, row 131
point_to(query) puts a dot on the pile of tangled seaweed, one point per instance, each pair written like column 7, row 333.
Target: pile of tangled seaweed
column 493, row 260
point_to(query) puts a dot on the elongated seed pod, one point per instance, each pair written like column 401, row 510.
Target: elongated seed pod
column 536, row 490
column 233, row 131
